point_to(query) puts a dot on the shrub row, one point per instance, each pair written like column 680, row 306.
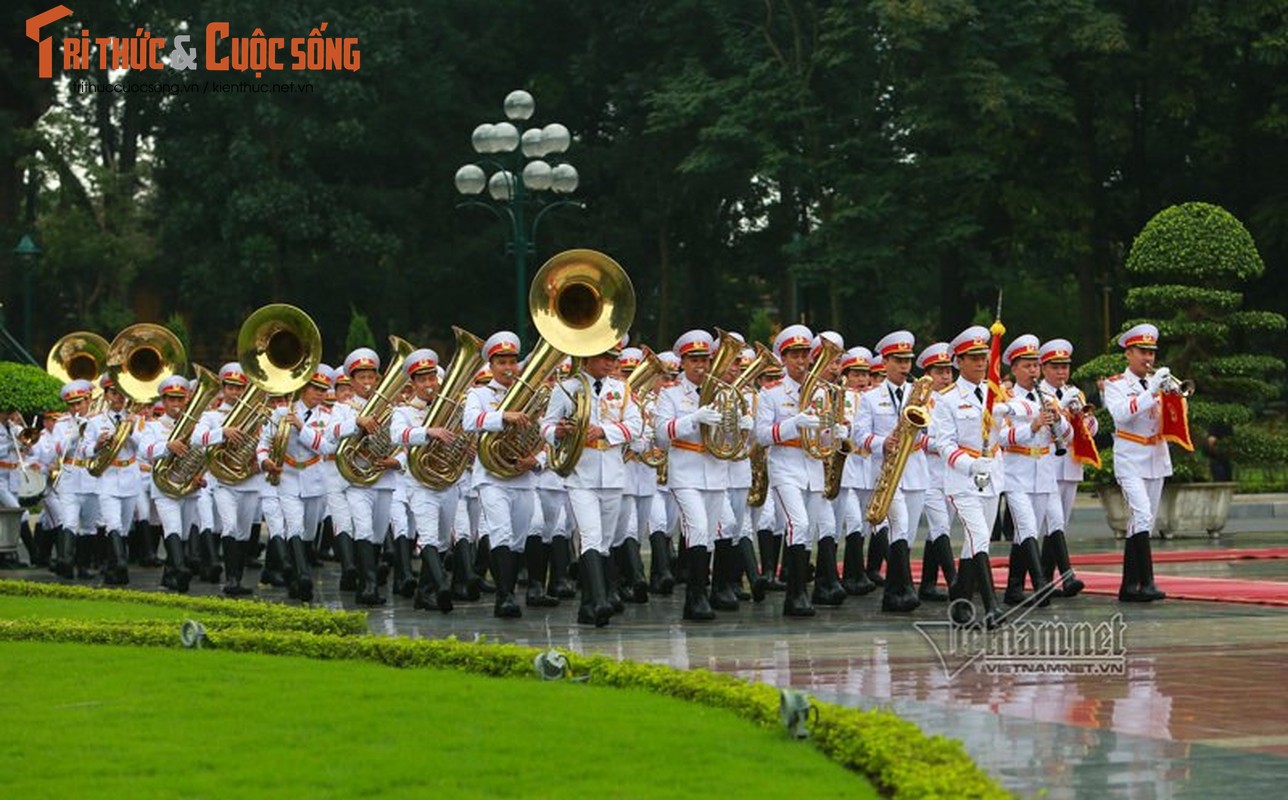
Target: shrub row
column 268, row 615
column 902, row 761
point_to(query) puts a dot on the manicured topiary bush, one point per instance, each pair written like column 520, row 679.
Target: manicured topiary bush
column 27, row 389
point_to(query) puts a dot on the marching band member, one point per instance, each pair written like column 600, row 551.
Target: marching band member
column 301, row 481
column 696, row 479
column 1056, row 356
column 176, row 515
column 237, row 504
column 744, row 556
column 973, row 477
column 827, row 581
column 369, row 506
column 595, row 486
column 936, row 361
column 433, row 510
column 43, row 459
column 796, row 480
column 337, row 505
column 1030, row 475
column 505, row 503
column 640, row 486
column 666, row 568
column 118, row 486
column 74, row 491
column 878, row 539
column 764, row 519
column 879, row 413
column 1141, row 458
column 855, row 482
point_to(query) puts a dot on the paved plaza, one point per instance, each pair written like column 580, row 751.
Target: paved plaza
column 1199, row 712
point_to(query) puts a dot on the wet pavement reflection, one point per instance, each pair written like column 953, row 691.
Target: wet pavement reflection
column 1198, row 711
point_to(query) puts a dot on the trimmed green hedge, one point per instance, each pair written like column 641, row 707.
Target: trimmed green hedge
column 894, row 753
column 28, row 389
column 270, row 615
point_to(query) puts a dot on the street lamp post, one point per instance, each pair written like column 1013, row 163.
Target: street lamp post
column 28, row 252
column 520, row 183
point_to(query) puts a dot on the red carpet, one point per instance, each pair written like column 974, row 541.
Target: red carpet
column 1162, row 556
column 1225, row 590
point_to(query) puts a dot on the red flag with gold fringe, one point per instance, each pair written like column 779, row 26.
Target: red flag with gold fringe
column 1176, row 419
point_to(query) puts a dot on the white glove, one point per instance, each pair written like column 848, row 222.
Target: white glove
column 805, row 420
column 746, row 422
column 707, row 415
column 1159, row 379
column 840, row 432
column 981, row 466
column 1070, row 398
column 1002, row 411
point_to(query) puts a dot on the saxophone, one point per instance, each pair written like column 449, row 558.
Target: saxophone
column 914, row 417
column 356, row 457
column 179, row 476
column 438, row 464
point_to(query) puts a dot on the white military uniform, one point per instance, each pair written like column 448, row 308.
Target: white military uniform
column 369, row 506
column 302, row 489
column 879, row 411
column 1030, row 470
column 177, row 516
column 77, row 493
column 596, row 485
column 795, row 479
column 506, row 504
column 118, row 486
column 1141, row 457
column 237, row 505
column 696, row 480
column 1067, row 469
column 433, row 510
column 958, row 429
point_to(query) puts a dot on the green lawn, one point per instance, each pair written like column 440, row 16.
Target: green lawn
column 98, row 721
column 19, row 607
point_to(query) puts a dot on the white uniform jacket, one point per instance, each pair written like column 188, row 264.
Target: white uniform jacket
column 1139, row 448
column 1066, row 468
column 1028, row 456
column 689, row 465
column 121, row 478
column 302, row 470
column 613, row 410
column 957, row 425
column 480, row 417
column 775, row 429
column 879, row 412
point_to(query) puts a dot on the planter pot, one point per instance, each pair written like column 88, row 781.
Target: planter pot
column 1185, row 508
column 10, row 525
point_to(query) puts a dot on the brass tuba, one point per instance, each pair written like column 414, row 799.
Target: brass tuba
column 279, row 348
column 356, row 456
column 914, row 417
column 438, row 464
column 180, row 476
column 138, row 360
column 818, row 442
column 582, row 303
column 78, row 355
column 644, row 383
column 834, row 467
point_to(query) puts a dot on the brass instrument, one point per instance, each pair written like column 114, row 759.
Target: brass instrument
column 356, row 456
column 834, row 467
column 278, row 444
column 644, row 384
column 279, row 348
column 914, row 417
column 582, row 303
column 1052, row 404
column 180, row 476
column 138, row 360
column 439, row 464
column 759, row 476
column 817, row 442
column 727, row 441
column 78, row 356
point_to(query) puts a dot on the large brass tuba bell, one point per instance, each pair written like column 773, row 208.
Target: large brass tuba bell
column 582, row 303
column 76, row 356
column 138, row 360
column 279, row 348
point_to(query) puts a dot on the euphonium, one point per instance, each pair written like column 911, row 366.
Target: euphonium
column 438, row 464
column 642, row 383
column 914, row 417
column 279, row 348
column 356, row 457
column 724, row 440
column 180, row 476
column 582, row 303
column 834, row 467
column 138, row 360
column 817, row 441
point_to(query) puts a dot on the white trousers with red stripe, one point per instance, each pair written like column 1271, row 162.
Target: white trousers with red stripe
column 434, row 513
column 700, row 512
column 595, row 513
column 369, row 509
column 506, row 515
column 1142, row 496
column 1028, row 510
column 803, row 512
column 978, row 512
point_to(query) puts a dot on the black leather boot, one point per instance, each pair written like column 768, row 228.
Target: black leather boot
column 537, row 554
column 696, row 605
column 117, row 573
column 558, row 585
column 63, row 564
column 797, row 602
column 722, row 595
column 275, row 563
column 1145, row 565
column 326, row 544
column 635, row 583
column 482, row 563
column 302, row 586
column 595, row 608
column 404, row 579
column 680, row 564
column 1033, row 563
column 208, row 550
column 44, row 546
column 505, row 572
column 827, row 584
column 854, row 578
column 1055, row 563
column 152, row 535
column 612, row 581
column 747, row 555
column 771, row 547
column 85, row 546
column 960, row 592
column 234, row 564
column 1015, row 577
column 432, row 590
column 984, row 572
column 464, row 584
column 931, row 560
column 176, row 569
column 660, row 579
column 899, row 596
column 344, row 551
column 255, row 546
column 878, row 548
column 368, row 575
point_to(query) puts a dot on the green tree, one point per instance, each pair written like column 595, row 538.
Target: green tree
column 359, row 334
